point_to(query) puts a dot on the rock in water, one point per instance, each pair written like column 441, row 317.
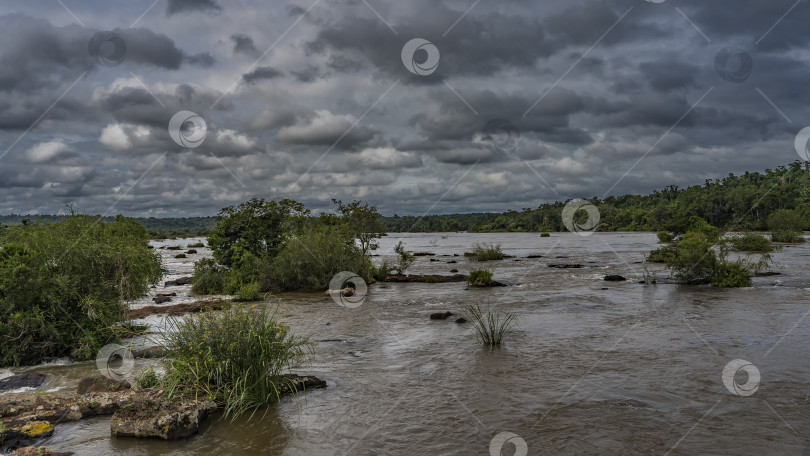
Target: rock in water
column 41, row 451
column 614, row 278
column 26, row 380
column 440, row 315
column 98, row 384
column 162, row 299
column 160, row 419
column 461, row 320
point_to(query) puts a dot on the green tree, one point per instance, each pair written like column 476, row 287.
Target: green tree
column 257, row 227
column 364, row 221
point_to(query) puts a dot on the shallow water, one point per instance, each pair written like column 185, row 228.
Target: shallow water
column 596, row 368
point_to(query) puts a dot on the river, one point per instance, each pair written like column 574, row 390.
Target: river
column 596, row 367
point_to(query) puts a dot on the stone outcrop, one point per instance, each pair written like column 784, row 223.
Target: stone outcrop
column 167, row 420
column 25, row 380
column 178, row 309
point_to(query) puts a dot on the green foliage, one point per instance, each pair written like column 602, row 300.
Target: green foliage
column 147, row 379
column 62, row 285
column 545, row 234
column 788, row 237
column 180, row 256
column 308, row 260
column 480, row 277
column 695, row 260
column 662, row 254
column 249, row 292
column 486, row 252
column 491, row 328
column 364, row 222
column 735, row 274
column 257, row 227
column 382, row 271
column 752, row 242
column 234, row 357
column 665, row 236
column 195, row 245
column 405, row 259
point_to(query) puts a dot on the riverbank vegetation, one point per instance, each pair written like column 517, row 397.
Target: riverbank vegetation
column 267, row 246
column 62, row 286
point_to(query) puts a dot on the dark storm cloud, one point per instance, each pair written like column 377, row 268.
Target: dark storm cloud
column 262, row 73
column 589, row 90
column 178, row 6
column 242, row 44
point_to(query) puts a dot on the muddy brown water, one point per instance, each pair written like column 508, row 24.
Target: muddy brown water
column 596, row 368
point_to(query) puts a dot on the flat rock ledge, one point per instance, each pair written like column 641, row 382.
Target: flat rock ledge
column 167, row 420
column 426, row 278
column 178, row 309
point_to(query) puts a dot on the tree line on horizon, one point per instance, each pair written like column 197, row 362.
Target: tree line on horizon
column 741, row 203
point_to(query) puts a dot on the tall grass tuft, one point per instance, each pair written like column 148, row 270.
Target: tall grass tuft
column 235, row 357
column 486, row 252
column 491, row 327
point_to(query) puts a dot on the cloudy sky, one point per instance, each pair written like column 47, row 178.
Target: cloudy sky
column 416, row 106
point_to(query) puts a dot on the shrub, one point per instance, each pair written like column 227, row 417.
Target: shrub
column 491, row 328
column 752, row 242
column 405, row 259
column 789, row 237
column 665, row 236
column 249, row 292
column 695, row 259
column 479, row 277
column 180, row 255
column 662, row 254
column 308, row 260
column 382, row 271
column 195, row 245
column 486, row 252
column 209, row 277
column 545, row 234
column 734, row 274
column 62, row 285
column 147, row 379
column 234, row 357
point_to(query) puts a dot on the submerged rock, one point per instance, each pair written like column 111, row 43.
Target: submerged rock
column 180, row 281
column 565, row 266
column 25, row 380
column 440, row 315
column 161, row 299
column 99, row 384
column 461, row 320
column 614, row 278
column 424, row 254
column 160, row 419
column 191, row 251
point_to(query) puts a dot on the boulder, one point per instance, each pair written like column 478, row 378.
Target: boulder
column 452, row 262
column 297, row 383
column 191, row 251
column 100, row 384
column 454, row 271
column 25, row 380
column 161, row 299
column 440, row 315
column 565, row 266
column 41, row 451
column 180, row 281
column 424, row 254
column 461, row 320
column 173, row 247
column 167, row 420
column 614, row 278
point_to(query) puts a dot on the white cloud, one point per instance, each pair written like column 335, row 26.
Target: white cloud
column 47, row 151
column 114, row 137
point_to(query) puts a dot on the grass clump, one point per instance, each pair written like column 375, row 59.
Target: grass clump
column 180, row 255
column 545, row 234
column 195, row 245
column 235, row 357
column 483, row 251
column 491, row 327
column 752, row 242
column 147, row 379
column 479, row 278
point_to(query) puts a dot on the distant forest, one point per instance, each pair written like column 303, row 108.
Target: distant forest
column 734, row 203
